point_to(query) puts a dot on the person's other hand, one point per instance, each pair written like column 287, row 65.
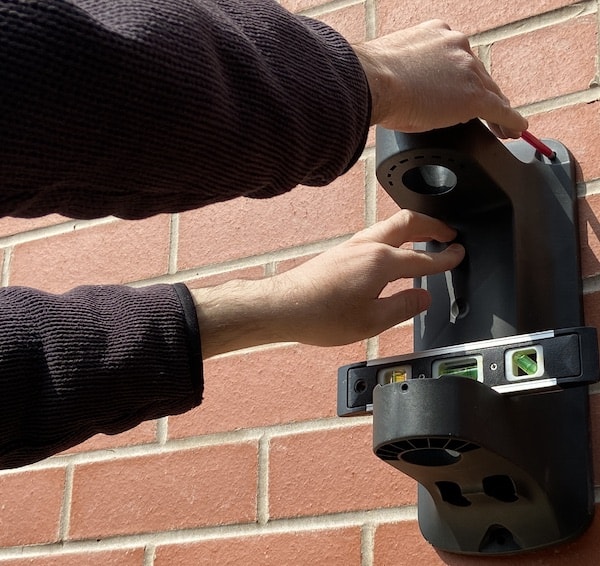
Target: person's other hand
column 427, row 77
column 334, row 298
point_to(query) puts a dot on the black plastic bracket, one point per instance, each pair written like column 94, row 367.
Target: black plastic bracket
column 490, row 416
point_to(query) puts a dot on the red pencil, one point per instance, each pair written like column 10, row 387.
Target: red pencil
column 538, row 144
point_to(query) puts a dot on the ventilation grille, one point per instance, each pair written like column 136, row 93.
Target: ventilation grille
column 395, row 450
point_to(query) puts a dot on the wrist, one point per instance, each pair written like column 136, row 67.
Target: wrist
column 239, row 314
column 375, row 80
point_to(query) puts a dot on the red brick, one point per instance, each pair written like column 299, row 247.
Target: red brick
column 299, row 5
column 144, row 433
column 192, row 488
column 30, row 507
column 330, row 548
column 578, row 128
column 10, row 226
column 396, row 341
column 134, row 557
column 267, row 387
column 522, row 65
column 116, row 253
column 247, row 227
column 287, row 264
column 332, row 471
column 257, row 272
column 349, row 21
column 386, row 206
column 589, row 235
column 595, row 433
column 468, row 17
column 401, row 544
column 591, row 309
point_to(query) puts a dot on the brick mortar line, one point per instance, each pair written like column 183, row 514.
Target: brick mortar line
column 6, row 261
column 588, row 188
column 262, row 488
column 329, row 7
column 587, row 96
column 173, row 243
column 65, row 511
column 591, row 285
column 367, row 545
column 370, row 19
column 336, row 521
column 259, row 260
column 534, row 23
column 226, row 438
column 54, row 230
column 149, row 554
column 371, row 188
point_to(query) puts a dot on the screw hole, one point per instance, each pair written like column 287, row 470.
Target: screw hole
column 360, row 386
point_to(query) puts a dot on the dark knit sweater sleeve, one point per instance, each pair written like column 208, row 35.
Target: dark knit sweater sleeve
column 133, row 108
column 95, row 359
column 137, row 107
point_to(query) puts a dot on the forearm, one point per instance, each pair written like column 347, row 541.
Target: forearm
column 96, row 359
column 139, row 107
column 332, row 299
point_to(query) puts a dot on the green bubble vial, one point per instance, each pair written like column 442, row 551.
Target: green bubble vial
column 526, row 361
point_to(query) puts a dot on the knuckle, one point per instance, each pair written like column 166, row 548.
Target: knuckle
column 408, row 217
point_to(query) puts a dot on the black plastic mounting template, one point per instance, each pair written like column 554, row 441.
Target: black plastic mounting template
column 496, row 433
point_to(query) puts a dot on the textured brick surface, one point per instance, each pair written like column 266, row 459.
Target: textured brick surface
column 332, row 471
column 299, row 5
column 350, row 22
column 287, row 264
column 267, row 387
column 246, row 227
column 145, row 433
column 522, row 68
column 30, row 507
column 10, row 226
column 119, row 252
column 468, row 17
column 578, row 128
column 386, row 206
column 133, row 557
column 331, row 548
column 402, row 544
column 396, row 341
column 206, row 486
column 257, row 272
column 591, row 309
column 595, row 432
column 589, row 235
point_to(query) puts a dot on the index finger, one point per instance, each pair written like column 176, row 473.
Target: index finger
column 407, row 226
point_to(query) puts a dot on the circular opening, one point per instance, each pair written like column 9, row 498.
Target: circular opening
column 431, row 457
column 360, row 386
column 430, row 179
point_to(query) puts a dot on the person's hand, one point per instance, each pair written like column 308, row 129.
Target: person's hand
column 332, row 299
column 427, row 77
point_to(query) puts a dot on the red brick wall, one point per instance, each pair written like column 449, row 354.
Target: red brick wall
column 264, row 473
